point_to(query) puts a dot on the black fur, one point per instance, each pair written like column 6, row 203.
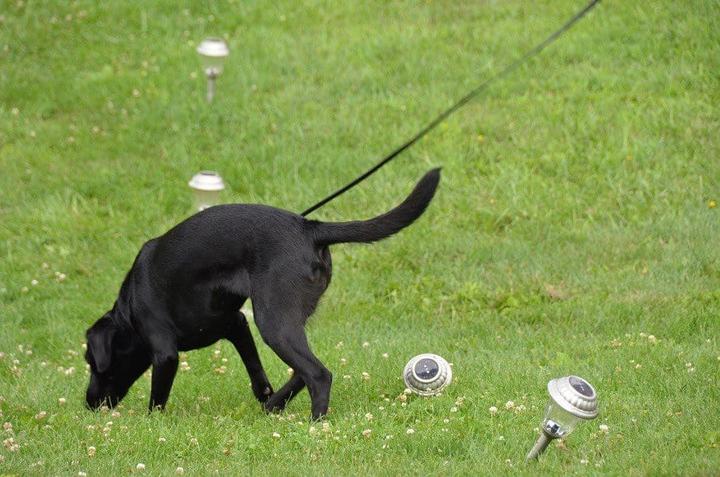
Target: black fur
column 185, row 288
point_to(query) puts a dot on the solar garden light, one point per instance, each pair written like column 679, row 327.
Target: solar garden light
column 572, row 399
column 206, row 186
column 213, row 52
column 427, row 374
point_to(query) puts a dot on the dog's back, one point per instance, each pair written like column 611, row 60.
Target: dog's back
column 259, row 229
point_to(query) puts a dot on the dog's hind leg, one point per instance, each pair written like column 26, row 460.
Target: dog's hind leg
column 290, row 344
column 239, row 335
column 284, row 332
column 284, row 395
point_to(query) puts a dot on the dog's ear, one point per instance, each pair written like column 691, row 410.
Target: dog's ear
column 100, row 337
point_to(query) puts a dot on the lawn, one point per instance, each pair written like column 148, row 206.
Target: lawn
column 575, row 230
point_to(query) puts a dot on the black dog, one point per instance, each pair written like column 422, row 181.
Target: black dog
column 185, row 289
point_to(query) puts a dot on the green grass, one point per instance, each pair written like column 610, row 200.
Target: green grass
column 574, row 218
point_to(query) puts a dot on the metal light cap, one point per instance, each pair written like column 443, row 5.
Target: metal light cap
column 207, row 181
column 427, row 374
column 575, row 395
column 214, row 48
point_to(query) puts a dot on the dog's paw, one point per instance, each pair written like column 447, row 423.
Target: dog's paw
column 263, row 392
column 273, row 408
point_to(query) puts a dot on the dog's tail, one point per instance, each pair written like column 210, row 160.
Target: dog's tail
column 382, row 226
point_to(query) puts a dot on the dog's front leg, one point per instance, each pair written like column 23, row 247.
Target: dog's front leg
column 164, row 367
column 239, row 334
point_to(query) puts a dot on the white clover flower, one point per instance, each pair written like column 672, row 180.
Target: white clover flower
column 604, row 428
column 454, row 409
column 385, row 355
column 276, row 435
column 41, row 415
column 91, row 451
column 365, row 344
column 11, row 445
column 509, row 405
column 179, row 471
column 366, row 432
column 140, row 467
column 365, row 376
column 410, row 431
column 369, row 416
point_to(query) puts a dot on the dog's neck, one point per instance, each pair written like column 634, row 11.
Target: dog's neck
column 120, row 316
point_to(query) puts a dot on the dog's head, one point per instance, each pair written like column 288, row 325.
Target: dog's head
column 117, row 358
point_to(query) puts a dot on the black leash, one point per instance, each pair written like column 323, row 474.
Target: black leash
column 508, row 69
